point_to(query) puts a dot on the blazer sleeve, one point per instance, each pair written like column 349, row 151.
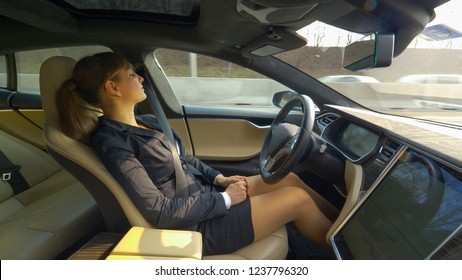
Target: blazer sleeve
column 208, row 172
column 158, row 209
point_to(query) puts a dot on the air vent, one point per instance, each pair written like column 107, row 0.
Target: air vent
column 326, row 120
column 388, row 150
column 386, row 153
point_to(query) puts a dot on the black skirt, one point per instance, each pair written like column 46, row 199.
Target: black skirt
column 228, row 233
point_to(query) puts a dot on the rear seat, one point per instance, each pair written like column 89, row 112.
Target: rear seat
column 50, row 216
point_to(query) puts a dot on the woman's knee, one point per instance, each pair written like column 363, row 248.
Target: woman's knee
column 292, row 179
column 302, row 201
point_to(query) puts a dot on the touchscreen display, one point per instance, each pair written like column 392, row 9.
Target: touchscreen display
column 407, row 216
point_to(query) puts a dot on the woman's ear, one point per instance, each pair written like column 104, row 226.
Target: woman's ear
column 111, row 88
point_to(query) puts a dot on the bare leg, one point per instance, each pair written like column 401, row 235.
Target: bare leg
column 288, row 200
column 258, row 187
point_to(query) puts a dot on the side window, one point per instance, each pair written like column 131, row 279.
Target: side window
column 202, row 80
column 3, row 72
column 28, row 63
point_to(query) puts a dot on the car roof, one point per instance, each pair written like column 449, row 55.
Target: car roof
column 49, row 23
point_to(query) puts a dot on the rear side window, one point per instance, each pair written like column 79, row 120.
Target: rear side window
column 28, row 63
column 3, row 72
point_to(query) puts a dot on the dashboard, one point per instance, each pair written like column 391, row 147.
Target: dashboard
column 409, row 202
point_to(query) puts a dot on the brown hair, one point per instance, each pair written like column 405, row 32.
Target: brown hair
column 79, row 98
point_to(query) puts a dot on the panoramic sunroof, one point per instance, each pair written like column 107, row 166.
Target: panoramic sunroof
column 175, row 10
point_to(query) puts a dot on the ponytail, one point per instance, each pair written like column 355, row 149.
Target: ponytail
column 77, row 118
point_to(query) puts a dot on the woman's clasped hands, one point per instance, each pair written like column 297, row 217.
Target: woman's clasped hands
column 236, row 187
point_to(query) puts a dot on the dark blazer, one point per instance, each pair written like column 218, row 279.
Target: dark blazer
column 141, row 161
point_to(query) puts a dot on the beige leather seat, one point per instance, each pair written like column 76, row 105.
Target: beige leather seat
column 48, row 217
column 117, row 209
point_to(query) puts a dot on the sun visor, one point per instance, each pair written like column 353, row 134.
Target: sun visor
column 277, row 40
column 275, row 12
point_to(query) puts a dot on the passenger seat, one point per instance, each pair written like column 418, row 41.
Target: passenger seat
column 49, row 216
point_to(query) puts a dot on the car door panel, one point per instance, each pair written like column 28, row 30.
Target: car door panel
column 21, row 115
column 30, row 106
column 228, row 139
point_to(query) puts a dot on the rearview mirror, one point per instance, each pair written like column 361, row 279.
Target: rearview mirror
column 372, row 51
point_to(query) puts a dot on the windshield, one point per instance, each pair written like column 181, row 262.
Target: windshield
column 425, row 81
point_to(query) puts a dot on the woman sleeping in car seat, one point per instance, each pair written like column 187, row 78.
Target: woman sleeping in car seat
column 230, row 212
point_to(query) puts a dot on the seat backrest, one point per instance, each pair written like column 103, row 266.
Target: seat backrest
column 79, row 159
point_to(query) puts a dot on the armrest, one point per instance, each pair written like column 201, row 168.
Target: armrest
column 148, row 243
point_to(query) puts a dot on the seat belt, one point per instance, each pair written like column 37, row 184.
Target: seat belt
column 154, row 102
column 9, row 173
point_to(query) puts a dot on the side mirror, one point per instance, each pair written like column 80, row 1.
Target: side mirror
column 282, row 97
column 372, row 51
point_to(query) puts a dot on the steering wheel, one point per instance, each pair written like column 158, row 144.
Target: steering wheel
column 285, row 143
column 423, row 211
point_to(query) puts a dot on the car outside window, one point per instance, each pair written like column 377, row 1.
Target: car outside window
column 202, row 80
column 2, row 72
column 182, row 8
column 424, row 81
column 28, row 63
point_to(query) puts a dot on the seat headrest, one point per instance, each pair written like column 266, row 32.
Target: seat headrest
column 53, row 73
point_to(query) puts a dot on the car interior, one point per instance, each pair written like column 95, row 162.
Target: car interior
column 390, row 184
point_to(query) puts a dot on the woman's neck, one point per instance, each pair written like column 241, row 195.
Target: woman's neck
column 123, row 116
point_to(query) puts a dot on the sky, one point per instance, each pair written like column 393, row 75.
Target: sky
column 447, row 14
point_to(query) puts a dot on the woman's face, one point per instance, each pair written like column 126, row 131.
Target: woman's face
column 131, row 86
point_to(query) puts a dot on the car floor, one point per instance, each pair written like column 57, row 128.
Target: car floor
column 301, row 248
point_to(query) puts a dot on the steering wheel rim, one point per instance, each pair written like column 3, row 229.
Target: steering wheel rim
column 402, row 197
column 285, row 143
column 427, row 208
